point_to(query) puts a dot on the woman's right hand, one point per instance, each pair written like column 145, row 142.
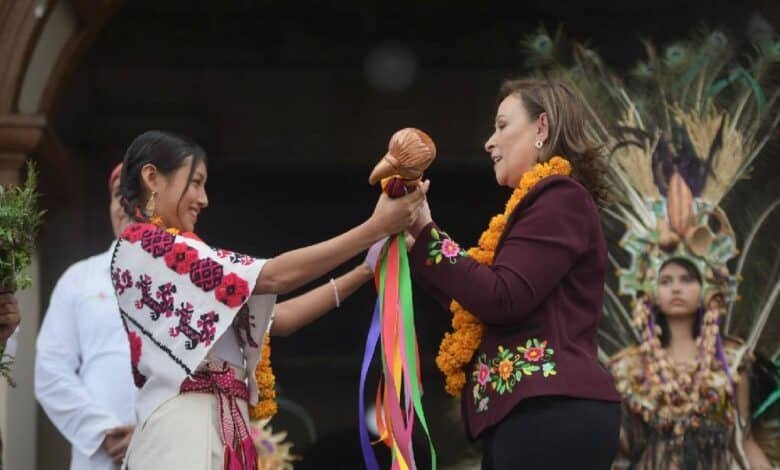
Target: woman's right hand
column 392, row 216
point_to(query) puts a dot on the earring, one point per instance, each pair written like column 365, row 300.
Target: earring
column 151, row 205
column 539, row 144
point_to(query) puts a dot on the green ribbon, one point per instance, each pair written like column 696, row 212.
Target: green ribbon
column 407, row 309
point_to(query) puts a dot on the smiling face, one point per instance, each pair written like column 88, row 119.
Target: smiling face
column 512, row 146
column 678, row 291
column 178, row 199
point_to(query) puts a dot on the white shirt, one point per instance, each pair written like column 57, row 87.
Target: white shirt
column 12, row 343
column 83, row 377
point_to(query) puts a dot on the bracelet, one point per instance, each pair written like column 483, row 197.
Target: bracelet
column 335, row 292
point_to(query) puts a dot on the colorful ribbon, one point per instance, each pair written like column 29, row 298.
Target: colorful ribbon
column 392, row 326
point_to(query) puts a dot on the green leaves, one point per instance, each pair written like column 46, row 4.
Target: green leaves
column 503, row 372
column 20, row 220
column 529, row 369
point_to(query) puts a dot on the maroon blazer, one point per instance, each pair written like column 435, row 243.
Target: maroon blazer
column 540, row 302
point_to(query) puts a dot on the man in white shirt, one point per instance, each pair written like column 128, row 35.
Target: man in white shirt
column 83, row 378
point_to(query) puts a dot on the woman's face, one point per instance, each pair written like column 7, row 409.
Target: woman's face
column 512, row 145
column 678, row 291
column 179, row 202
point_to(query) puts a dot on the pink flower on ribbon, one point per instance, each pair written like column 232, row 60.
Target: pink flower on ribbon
column 449, row 248
column 483, row 374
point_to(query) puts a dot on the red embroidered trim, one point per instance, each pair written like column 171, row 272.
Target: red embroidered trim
column 233, row 429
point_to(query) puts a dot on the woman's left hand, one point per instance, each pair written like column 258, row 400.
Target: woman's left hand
column 423, row 218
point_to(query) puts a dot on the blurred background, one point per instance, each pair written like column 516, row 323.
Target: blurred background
column 294, row 102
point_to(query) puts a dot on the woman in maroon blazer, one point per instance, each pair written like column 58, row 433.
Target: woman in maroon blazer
column 532, row 292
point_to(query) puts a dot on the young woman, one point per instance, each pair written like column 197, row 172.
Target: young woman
column 527, row 301
column 196, row 316
column 690, row 421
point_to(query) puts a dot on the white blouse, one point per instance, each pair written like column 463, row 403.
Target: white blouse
column 178, row 297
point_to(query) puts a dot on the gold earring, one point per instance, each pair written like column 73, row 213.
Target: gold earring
column 151, row 205
column 539, row 144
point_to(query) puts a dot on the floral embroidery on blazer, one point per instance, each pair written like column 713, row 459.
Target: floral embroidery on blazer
column 442, row 247
column 504, row 371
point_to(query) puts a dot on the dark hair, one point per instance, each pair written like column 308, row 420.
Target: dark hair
column 688, row 266
column 166, row 151
column 660, row 317
column 568, row 136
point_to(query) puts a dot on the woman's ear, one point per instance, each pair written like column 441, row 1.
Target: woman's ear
column 150, row 179
column 542, row 127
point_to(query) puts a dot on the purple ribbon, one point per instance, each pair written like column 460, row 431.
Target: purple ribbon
column 371, row 341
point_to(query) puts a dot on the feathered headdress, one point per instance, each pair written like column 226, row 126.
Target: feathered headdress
column 682, row 129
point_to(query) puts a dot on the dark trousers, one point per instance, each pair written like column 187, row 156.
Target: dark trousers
column 554, row 433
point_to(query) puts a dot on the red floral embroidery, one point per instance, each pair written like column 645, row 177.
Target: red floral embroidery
column 135, row 347
column 134, row 232
column 534, row 354
column 233, row 291
column 181, row 257
column 502, row 373
column 135, row 357
column 483, row 374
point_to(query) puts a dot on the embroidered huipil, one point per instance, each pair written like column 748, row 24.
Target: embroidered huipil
column 82, row 369
column 177, row 297
column 540, row 302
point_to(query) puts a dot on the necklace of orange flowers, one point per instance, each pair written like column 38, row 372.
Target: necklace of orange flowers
column 266, row 381
column 457, row 348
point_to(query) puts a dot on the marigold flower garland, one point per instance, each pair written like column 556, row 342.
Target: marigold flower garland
column 457, row 348
column 266, row 381
column 266, row 394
